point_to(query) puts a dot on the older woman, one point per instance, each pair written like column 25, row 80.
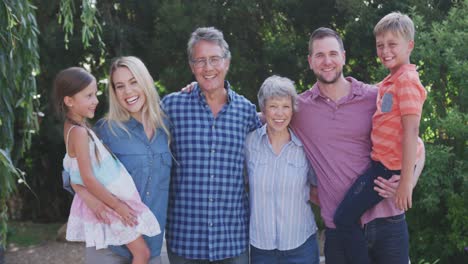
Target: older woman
column 282, row 225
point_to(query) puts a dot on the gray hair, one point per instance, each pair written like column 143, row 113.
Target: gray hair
column 277, row 87
column 209, row 34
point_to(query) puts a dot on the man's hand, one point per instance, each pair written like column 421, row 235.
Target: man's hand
column 387, row 188
column 313, row 195
column 189, row 87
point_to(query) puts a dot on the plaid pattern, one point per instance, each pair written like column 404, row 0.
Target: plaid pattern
column 208, row 205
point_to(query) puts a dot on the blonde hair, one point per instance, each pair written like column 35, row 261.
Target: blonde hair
column 396, row 22
column 152, row 114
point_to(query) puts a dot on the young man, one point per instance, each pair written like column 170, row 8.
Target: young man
column 334, row 123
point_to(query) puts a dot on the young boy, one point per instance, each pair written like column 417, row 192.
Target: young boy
column 394, row 135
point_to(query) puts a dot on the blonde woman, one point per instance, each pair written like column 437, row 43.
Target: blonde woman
column 135, row 130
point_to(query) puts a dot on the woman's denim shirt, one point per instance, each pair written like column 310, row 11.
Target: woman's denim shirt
column 149, row 163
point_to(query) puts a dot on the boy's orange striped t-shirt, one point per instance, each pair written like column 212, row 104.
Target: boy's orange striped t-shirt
column 399, row 94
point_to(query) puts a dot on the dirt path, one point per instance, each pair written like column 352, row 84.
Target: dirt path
column 50, row 252
column 53, row 252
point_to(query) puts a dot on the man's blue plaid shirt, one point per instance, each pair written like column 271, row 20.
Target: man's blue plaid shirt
column 208, row 216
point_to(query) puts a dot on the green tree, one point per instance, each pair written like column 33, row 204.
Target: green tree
column 266, row 37
column 19, row 63
column 442, row 194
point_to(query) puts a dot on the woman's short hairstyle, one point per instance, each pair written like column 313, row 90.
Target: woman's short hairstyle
column 277, row 87
column 209, row 34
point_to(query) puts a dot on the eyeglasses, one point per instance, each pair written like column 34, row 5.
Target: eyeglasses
column 202, row 62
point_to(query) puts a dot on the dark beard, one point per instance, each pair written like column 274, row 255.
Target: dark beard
column 322, row 80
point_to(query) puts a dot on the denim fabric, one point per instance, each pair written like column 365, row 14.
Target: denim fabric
column 149, row 163
column 361, row 196
column 307, row 253
column 106, row 256
column 241, row 259
column 388, row 240
column 338, row 252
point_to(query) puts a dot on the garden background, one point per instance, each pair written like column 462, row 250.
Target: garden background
column 40, row 37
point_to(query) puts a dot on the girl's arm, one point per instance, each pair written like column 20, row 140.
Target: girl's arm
column 79, row 142
column 99, row 208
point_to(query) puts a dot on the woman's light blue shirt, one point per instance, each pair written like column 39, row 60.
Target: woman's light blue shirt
column 280, row 215
column 149, row 163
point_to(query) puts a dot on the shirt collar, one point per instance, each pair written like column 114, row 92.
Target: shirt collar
column 200, row 96
column 356, row 89
column 404, row 68
column 263, row 133
column 131, row 123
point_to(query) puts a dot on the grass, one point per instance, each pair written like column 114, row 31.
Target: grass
column 24, row 234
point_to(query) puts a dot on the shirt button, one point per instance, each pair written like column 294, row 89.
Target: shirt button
column 211, row 199
column 213, row 151
column 210, row 224
column 147, row 193
column 212, row 176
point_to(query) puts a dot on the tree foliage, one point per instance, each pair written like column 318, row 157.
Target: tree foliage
column 19, row 61
column 265, row 37
column 443, row 192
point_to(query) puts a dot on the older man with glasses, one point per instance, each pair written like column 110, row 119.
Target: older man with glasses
column 208, row 205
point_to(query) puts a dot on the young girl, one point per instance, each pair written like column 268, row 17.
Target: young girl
column 90, row 164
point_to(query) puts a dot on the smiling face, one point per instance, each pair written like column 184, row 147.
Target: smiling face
column 278, row 112
column 327, row 60
column 393, row 50
column 210, row 78
column 128, row 92
column 83, row 104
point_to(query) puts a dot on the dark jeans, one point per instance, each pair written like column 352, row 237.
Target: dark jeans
column 386, row 239
column 359, row 198
column 307, row 253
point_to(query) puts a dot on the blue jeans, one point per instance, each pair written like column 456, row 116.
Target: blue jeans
column 107, row 256
column 307, row 253
column 386, row 242
column 175, row 259
column 359, row 198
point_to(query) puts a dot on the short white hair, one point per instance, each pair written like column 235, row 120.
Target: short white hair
column 277, row 87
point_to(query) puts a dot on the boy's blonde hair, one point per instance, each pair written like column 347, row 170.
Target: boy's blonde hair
column 396, row 22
